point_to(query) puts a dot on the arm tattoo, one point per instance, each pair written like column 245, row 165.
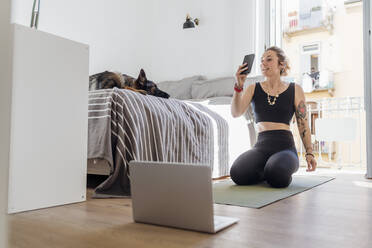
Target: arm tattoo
column 301, row 128
column 301, row 116
column 301, row 110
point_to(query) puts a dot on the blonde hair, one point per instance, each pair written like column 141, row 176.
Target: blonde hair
column 282, row 59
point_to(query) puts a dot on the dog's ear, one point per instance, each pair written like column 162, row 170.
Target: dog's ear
column 142, row 77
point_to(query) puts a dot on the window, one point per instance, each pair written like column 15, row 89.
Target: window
column 338, row 56
column 310, row 65
column 312, row 48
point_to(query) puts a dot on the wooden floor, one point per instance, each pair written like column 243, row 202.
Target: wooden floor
column 335, row 214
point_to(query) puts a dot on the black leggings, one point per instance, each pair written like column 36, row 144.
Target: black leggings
column 273, row 158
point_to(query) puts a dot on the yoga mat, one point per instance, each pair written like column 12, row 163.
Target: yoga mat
column 260, row 195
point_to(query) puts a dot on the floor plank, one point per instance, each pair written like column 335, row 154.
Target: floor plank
column 334, row 214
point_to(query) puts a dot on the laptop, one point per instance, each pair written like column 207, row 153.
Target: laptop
column 175, row 195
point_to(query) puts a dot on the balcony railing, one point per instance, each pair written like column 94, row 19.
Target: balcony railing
column 337, row 130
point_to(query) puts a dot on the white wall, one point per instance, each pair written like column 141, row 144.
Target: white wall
column 214, row 48
column 112, row 28
column 206, row 49
column 5, row 93
column 126, row 35
column 244, row 15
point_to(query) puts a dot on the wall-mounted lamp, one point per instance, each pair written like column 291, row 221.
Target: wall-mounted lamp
column 189, row 23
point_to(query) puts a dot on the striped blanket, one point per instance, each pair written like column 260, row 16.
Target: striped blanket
column 125, row 125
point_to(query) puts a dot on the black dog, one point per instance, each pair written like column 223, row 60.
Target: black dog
column 108, row 80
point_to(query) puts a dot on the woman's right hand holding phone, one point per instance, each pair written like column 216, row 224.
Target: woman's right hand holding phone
column 241, row 77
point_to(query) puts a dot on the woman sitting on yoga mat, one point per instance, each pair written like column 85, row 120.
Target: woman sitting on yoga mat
column 274, row 102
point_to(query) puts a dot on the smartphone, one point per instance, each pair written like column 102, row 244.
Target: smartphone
column 249, row 60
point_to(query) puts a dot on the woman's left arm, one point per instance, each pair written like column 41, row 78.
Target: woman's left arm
column 303, row 127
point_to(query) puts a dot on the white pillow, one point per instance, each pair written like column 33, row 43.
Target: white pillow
column 180, row 89
column 223, row 86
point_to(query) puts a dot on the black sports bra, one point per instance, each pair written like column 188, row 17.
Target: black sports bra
column 283, row 109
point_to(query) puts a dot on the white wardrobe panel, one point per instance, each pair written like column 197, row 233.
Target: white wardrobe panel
column 48, row 150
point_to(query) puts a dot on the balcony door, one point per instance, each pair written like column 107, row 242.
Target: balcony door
column 291, row 20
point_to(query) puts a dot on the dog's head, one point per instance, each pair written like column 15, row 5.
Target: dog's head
column 108, row 80
column 149, row 86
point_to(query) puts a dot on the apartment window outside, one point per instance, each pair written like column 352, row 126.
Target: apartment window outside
column 324, row 42
column 309, row 67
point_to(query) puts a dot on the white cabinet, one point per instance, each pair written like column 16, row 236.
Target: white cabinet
column 48, row 146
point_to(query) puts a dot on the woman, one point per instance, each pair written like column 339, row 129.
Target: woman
column 274, row 102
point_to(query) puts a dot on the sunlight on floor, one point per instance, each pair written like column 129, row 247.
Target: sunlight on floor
column 363, row 184
column 323, row 171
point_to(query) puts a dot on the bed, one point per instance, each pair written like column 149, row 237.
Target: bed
column 125, row 125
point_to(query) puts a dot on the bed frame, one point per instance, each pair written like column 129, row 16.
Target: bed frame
column 98, row 167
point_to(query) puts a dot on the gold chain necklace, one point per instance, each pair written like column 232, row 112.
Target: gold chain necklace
column 269, row 99
column 271, row 103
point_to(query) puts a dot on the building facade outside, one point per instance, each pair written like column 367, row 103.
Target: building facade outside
column 324, row 42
